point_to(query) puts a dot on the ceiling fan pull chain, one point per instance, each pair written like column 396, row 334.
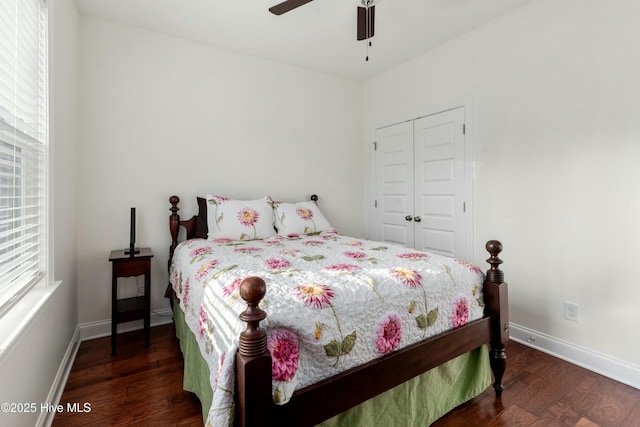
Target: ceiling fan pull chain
column 368, row 29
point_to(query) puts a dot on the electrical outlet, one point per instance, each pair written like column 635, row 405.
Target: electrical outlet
column 571, row 311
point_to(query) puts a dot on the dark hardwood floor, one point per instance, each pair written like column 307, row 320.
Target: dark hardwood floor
column 143, row 387
column 137, row 387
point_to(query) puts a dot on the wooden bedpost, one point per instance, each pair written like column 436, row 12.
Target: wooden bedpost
column 253, row 361
column 496, row 299
column 174, row 224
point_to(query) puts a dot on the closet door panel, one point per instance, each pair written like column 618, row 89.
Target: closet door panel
column 394, row 173
column 440, row 182
column 439, row 240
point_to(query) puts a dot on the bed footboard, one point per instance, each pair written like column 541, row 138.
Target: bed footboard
column 253, row 363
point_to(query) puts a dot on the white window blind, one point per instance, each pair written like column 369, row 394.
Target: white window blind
column 23, row 147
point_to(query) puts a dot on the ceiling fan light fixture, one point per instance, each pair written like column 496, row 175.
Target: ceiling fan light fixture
column 366, row 20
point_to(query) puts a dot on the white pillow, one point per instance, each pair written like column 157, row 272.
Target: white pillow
column 239, row 219
column 299, row 218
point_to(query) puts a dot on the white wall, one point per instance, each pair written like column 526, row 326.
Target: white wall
column 556, row 122
column 161, row 115
column 33, row 370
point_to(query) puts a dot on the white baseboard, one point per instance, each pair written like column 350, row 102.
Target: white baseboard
column 102, row 328
column 619, row 370
column 55, row 393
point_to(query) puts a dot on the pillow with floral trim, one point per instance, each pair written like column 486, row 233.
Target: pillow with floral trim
column 239, row 219
column 299, row 218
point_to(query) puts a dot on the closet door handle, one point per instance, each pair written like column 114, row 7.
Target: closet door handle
column 417, row 219
column 408, row 217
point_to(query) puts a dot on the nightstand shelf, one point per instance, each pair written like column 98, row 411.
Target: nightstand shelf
column 129, row 309
column 134, row 308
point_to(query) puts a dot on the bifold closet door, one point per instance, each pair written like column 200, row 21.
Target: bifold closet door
column 422, row 184
column 440, row 183
column 393, row 213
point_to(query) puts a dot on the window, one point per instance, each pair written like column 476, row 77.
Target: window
column 23, row 147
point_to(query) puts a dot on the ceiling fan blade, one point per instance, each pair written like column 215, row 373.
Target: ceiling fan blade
column 286, row 6
column 366, row 19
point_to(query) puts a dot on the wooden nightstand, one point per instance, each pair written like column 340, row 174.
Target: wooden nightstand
column 128, row 309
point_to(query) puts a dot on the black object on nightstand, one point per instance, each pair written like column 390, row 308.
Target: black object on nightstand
column 128, row 309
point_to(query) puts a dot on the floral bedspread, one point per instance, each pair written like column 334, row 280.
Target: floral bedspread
column 333, row 302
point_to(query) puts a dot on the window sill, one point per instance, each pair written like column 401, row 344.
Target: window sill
column 19, row 319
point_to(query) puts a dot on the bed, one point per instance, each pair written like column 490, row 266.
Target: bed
column 346, row 322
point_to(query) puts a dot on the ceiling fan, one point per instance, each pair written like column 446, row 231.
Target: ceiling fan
column 366, row 14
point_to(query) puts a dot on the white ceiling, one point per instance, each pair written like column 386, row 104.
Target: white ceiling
column 320, row 35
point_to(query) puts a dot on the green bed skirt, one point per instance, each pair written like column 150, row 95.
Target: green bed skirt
column 417, row 402
column 196, row 371
column 425, row 398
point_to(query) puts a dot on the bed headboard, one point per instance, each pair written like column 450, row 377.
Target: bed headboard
column 175, row 223
column 191, row 224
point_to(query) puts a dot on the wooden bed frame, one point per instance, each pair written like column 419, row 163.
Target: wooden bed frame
column 254, row 406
